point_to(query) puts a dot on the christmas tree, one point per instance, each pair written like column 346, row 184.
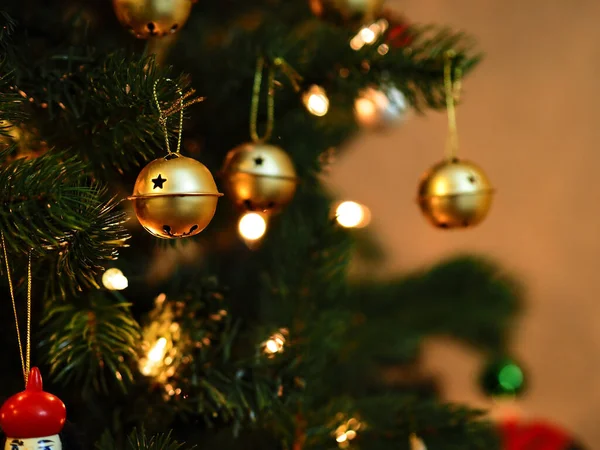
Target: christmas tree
column 217, row 340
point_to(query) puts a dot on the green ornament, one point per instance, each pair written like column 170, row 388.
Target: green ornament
column 502, row 377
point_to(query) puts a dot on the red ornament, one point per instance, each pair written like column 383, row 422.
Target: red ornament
column 534, row 436
column 32, row 413
column 399, row 35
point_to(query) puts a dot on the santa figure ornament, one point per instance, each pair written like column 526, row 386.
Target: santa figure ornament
column 32, row 419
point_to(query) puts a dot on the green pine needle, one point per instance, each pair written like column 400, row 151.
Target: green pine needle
column 138, row 440
column 92, row 342
column 51, row 208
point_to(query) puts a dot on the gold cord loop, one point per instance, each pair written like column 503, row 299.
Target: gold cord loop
column 163, row 117
column 25, row 360
column 452, row 96
column 295, row 79
column 260, row 64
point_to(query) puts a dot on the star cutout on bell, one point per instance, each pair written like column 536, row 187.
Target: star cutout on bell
column 158, row 181
column 259, row 161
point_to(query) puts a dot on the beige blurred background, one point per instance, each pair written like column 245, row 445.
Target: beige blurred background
column 530, row 118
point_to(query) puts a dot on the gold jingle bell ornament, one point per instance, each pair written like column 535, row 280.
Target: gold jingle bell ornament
column 152, row 18
column 353, row 10
column 454, row 193
column 259, row 177
column 174, row 196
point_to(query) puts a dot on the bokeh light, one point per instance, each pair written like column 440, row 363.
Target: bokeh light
column 367, row 35
column 275, row 344
column 316, row 101
column 252, row 226
column 114, row 280
column 350, row 214
column 155, row 357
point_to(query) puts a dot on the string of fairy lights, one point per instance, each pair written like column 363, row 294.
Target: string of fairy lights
column 163, row 357
column 163, row 349
column 373, row 106
column 252, row 226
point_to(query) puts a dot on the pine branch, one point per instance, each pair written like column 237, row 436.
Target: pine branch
column 114, row 115
column 319, row 51
column 416, row 69
column 138, row 440
column 220, row 382
column 10, row 106
column 105, row 111
column 468, row 298
column 7, row 28
column 99, row 106
column 322, row 55
column 84, row 253
column 389, row 419
column 92, row 342
column 48, row 207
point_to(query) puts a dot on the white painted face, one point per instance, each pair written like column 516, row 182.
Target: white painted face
column 41, row 443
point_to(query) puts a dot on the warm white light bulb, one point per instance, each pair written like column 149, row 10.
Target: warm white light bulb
column 368, row 35
column 157, row 352
column 341, row 437
column 154, row 358
column 252, row 226
column 366, row 111
column 114, row 280
column 316, row 100
column 356, row 43
column 272, row 346
column 352, row 215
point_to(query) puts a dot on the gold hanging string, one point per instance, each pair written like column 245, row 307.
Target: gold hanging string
column 28, row 335
column 258, row 75
column 294, row 77
column 25, row 360
column 176, row 108
column 452, row 96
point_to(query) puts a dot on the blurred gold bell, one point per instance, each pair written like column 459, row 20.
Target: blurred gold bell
column 175, row 197
column 455, row 194
column 152, row 18
column 259, row 177
column 347, row 10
